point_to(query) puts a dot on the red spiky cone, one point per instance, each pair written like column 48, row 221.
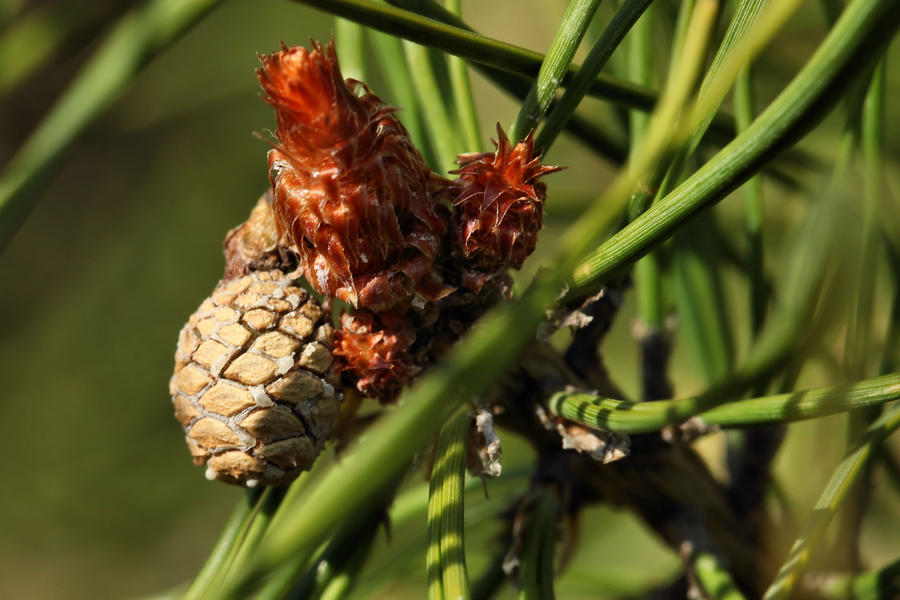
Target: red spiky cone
column 352, row 193
column 499, row 203
column 375, row 349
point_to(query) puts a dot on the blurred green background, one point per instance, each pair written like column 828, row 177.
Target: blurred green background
column 99, row 496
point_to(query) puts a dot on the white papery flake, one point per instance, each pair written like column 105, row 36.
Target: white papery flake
column 487, row 444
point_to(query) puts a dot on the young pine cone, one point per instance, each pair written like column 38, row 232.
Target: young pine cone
column 376, row 350
column 353, row 196
column 499, row 204
column 253, row 384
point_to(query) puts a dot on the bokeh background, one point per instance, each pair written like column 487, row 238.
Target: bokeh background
column 99, row 498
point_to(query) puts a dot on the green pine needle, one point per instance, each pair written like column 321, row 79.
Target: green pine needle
column 714, row 409
column 555, row 65
column 138, row 36
column 842, row 480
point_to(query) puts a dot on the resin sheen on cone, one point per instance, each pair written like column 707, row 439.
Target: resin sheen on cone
column 353, row 196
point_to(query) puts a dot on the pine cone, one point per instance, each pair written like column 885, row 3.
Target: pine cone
column 499, row 204
column 376, row 350
column 352, row 193
column 253, row 385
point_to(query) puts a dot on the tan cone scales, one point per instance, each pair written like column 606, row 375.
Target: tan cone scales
column 253, row 384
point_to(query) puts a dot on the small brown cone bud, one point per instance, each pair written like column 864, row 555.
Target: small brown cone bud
column 375, row 349
column 499, row 203
column 254, row 387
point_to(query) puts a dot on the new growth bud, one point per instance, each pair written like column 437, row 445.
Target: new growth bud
column 499, row 203
column 376, row 349
column 352, row 193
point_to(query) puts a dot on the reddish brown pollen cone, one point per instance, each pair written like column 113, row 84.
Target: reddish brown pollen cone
column 353, row 196
column 499, row 203
column 376, row 350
